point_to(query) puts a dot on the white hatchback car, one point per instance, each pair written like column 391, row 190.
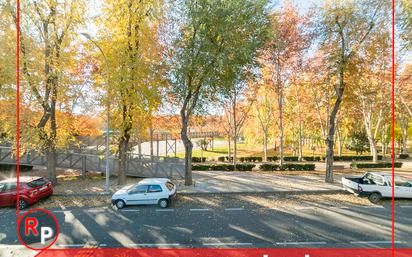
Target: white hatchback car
column 148, row 191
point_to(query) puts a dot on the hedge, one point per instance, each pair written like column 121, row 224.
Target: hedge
column 365, row 165
column 223, row 167
column 306, row 158
column 313, row 158
column 251, row 159
column 198, row 159
column 9, row 167
column 273, row 158
column 287, row 166
column 355, row 158
column 404, row 156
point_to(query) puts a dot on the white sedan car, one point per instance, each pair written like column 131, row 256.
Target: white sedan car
column 148, row 191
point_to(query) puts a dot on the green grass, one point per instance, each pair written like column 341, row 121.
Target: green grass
column 244, row 150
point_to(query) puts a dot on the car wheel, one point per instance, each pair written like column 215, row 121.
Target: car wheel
column 163, row 203
column 375, row 197
column 120, row 204
column 22, row 204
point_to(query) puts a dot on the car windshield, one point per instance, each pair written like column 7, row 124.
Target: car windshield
column 37, row 182
column 374, row 179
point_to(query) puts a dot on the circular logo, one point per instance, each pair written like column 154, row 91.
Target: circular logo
column 37, row 229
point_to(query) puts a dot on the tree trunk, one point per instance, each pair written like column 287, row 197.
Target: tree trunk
column 51, row 165
column 265, row 146
column 383, row 140
column 374, row 151
column 280, row 105
column 300, row 136
column 229, row 141
column 300, row 139
column 235, row 132
column 123, row 147
column 188, row 151
column 404, row 131
column 339, row 139
column 151, row 142
column 331, row 132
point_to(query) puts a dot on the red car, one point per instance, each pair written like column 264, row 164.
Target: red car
column 32, row 189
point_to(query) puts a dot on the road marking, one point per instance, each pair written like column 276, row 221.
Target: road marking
column 102, row 245
column 61, row 211
column 234, row 209
column 2, row 246
column 153, row 245
column 375, row 242
column 300, row 243
column 165, row 209
column 97, row 210
column 221, row 244
column 71, row 245
column 372, row 207
column 305, row 208
column 199, row 209
column 406, row 206
column 130, row 210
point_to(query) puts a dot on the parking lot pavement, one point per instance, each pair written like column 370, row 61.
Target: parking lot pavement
column 223, row 182
column 236, row 224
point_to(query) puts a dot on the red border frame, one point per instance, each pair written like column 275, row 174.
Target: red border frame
column 18, row 120
column 393, row 127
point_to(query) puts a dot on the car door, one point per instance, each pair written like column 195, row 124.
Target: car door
column 3, row 195
column 381, row 185
column 137, row 195
column 403, row 188
column 8, row 194
column 407, row 190
column 155, row 193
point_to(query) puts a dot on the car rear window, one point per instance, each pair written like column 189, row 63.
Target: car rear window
column 170, row 185
column 37, row 182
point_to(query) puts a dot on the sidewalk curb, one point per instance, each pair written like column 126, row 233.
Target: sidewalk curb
column 290, row 192
column 278, row 192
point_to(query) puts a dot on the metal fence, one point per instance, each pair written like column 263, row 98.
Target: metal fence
column 137, row 165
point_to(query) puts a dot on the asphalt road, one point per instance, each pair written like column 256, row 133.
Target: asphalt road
column 242, row 226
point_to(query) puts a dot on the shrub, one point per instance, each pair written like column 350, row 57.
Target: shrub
column 287, row 166
column 221, row 158
column 245, row 167
column 198, row 159
column 355, row 158
column 312, row 158
column 403, row 156
column 223, row 167
column 290, row 158
column 200, row 167
column 272, row 158
column 367, row 165
column 251, row 159
column 203, row 143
